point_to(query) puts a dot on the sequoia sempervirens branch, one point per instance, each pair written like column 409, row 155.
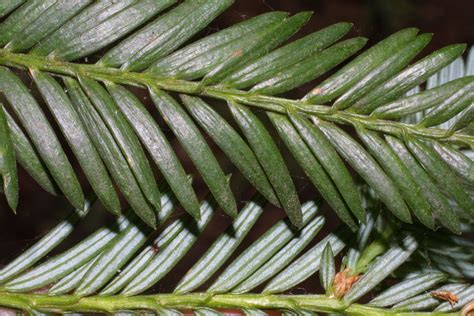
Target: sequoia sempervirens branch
column 270, row 103
column 316, row 303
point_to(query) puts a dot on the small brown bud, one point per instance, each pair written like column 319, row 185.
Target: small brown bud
column 343, row 282
column 445, row 296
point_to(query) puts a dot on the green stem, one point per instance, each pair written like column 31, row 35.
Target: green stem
column 282, row 105
column 376, row 247
column 110, row 304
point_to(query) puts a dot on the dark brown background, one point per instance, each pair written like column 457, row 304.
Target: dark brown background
column 450, row 21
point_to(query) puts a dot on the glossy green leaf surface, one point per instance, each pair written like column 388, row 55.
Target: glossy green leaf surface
column 457, row 160
column 382, row 72
column 21, row 18
column 343, row 79
column 197, row 149
column 231, row 143
column 44, row 23
column 270, row 159
column 309, row 68
column 455, row 104
column 8, row 170
column 408, row 78
column 332, row 163
column 125, row 138
column 438, row 202
column 368, row 168
column 8, row 6
column 157, row 146
column 196, row 60
column 256, row 45
column 420, row 101
column 108, row 148
column 106, row 19
column 72, row 128
column 28, row 158
column 271, row 64
column 42, row 136
column 442, row 174
column 311, row 166
column 165, row 34
column 400, row 175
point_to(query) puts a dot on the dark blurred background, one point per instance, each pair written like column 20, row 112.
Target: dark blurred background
column 451, row 21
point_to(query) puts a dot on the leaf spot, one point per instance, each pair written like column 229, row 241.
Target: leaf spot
column 237, row 53
column 316, row 91
column 155, row 248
